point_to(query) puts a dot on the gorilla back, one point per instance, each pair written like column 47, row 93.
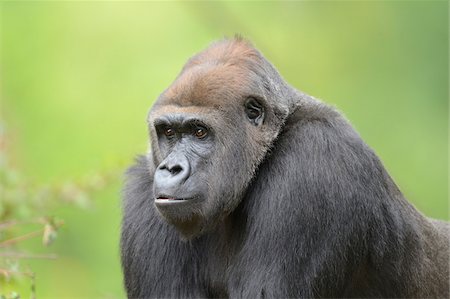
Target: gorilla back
column 254, row 189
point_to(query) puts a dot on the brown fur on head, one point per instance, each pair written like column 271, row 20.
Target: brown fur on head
column 220, row 69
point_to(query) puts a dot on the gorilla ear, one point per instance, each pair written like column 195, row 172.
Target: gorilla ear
column 254, row 111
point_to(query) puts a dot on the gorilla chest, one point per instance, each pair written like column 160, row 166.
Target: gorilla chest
column 216, row 278
column 216, row 264
column 212, row 264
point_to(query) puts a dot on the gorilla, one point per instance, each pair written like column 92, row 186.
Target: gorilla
column 253, row 189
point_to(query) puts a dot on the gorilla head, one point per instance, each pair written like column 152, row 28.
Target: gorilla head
column 221, row 108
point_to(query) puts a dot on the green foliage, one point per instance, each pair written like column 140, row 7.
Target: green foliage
column 77, row 80
column 24, row 205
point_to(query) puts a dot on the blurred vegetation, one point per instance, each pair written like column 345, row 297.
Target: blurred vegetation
column 77, row 80
column 24, row 215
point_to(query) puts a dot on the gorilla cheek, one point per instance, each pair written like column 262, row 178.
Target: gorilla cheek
column 227, row 181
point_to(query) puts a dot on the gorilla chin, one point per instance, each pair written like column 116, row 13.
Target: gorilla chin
column 275, row 192
column 183, row 214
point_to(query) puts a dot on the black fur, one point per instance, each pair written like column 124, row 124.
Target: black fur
column 320, row 217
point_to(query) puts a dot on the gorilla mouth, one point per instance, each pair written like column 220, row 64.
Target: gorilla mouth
column 166, row 200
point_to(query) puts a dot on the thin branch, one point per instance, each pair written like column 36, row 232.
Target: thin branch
column 8, row 224
column 7, row 273
column 22, row 255
column 11, row 223
column 21, row 238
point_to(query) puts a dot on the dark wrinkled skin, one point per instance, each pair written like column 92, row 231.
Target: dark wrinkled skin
column 290, row 203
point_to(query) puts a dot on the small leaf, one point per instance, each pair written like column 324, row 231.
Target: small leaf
column 13, row 266
column 14, row 295
column 50, row 234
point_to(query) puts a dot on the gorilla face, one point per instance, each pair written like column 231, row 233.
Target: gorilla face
column 210, row 130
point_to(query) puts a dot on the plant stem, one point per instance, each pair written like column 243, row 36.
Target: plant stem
column 21, row 238
column 21, row 255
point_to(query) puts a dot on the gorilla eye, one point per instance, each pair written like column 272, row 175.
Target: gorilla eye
column 169, row 132
column 254, row 111
column 200, row 133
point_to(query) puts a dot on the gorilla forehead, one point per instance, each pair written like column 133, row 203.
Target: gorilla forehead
column 209, row 85
column 222, row 73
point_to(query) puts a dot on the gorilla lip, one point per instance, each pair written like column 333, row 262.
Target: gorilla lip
column 164, row 199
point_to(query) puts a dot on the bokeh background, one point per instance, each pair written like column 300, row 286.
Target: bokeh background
column 77, row 80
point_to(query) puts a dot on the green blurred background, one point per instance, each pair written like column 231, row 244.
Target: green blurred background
column 77, row 80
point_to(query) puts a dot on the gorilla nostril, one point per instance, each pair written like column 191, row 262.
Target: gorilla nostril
column 175, row 169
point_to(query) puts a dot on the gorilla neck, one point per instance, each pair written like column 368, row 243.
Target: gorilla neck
column 188, row 229
column 225, row 229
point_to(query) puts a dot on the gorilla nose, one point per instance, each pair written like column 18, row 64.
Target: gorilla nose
column 171, row 174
